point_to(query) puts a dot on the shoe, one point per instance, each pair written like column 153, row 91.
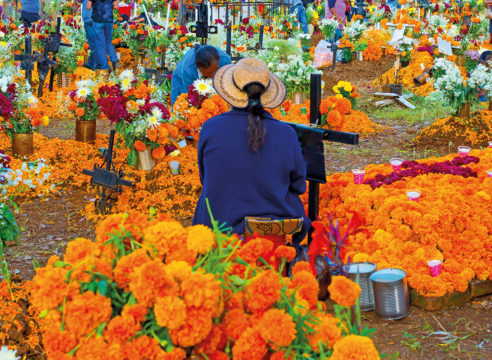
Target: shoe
column 87, row 66
column 115, row 65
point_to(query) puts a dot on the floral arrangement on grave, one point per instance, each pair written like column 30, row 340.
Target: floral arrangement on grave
column 328, row 27
column 156, row 43
column 347, row 90
column 152, row 289
column 354, row 30
column 191, row 110
column 69, row 58
column 13, row 36
column 405, row 46
column 333, row 110
column 361, row 45
column 15, row 100
column 84, row 105
column 296, row 74
column 287, row 26
column 460, row 92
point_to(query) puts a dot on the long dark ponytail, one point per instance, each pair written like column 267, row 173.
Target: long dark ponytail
column 256, row 128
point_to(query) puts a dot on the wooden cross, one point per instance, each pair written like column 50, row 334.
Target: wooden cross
column 108, row 182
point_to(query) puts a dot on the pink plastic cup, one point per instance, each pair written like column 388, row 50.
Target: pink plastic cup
column 463, row 150
column 396, row 164
column 490, row 144
column 489, row 173
column 434, row 267
column 413, row 195
column 358, row 175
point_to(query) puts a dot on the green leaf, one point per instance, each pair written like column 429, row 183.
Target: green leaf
column 132, row 157
column 102, row 287
column 100, row 329
column 60, row 264
column 43, row 314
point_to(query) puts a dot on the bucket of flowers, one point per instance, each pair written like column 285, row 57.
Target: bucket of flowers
column 85, row 110
column 405, row 46
column 15, row 117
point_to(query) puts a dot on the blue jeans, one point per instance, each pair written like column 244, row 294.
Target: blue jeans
column 91, row 39
column 104, row 47
column 301, row 16
column 29, row 18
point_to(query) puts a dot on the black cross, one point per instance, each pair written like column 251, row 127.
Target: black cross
column 27, row 63
column 108, row 182
column 52, row 45
column 201, row 29
column 334, row 48
column 311, row 139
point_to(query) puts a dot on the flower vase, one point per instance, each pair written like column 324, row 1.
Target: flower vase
column 464, row 110
column 145, row 160
column 63, row 80
column 490, row 105
column 22, row 144
column 404, row 63
column 85, row 131
column 360, row 56
column 299, row 98
column 460, row 60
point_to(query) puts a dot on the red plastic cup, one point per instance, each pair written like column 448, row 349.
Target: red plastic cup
column 463, row 150
column 413, row 195
column 358, row 175
column 434, row 267
column 396, row 164
column 125, row 10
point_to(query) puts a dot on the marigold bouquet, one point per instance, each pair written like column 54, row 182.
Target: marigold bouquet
column 84, row 105
column 152, row 289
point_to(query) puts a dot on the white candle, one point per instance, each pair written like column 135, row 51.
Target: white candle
column 167, row 16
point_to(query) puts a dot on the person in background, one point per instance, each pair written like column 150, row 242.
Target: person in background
column 298, row 6
column 337, row 9
column 251, row 165
column 488, row 15
column 89, row 33
column 30, row 11
column 102, row 17
column 201, row 61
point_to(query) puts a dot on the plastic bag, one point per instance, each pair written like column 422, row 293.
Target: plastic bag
column 323, row 56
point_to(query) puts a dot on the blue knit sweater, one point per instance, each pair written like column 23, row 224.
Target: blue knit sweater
column 239, row 183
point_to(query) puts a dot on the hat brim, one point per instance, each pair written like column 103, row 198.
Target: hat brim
column 273, row 96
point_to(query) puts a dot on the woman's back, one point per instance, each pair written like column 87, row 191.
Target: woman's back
column 240, row 182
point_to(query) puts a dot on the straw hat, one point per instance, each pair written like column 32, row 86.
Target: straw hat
column 230, row 81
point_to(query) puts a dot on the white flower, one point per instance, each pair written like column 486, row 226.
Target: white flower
column 157, row 112
column 126, row 83
column 203, row 87
column 126, row 74
column 83, row 92
column 152, row 120
column 6, row 354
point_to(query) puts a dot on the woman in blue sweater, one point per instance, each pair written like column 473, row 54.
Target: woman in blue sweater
column 251, row 164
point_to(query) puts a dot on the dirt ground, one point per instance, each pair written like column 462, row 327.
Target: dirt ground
column 47, row 224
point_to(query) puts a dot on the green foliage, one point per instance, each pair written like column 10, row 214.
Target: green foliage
column 283, row 48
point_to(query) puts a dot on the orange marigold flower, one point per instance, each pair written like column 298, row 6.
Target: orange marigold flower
column 301, row 266
column 277, row 327
column 179, row 270
column 250, row 346
column 211, row 343
column 255, row 249
column 354, row 347
column 139, row 145
column 94, row 348
column 343, row 105
column 263, row 291
column 48, row 290
column 200, row 239
column 159, row 153
column 306, row 287
column 137, row 312
column 196, row 328
column 219, row 355
column 152, row 134
column 175, row 354
column 327, row 332
column 285, row 252
column 151, row 281
column 170, row 312
column 128, row 264
column 335, row 119
column 57, row 342
column 86, row 312
column 280, row 355
column 236, row 322
column 143, row 347
column 167, row 238
column 120, row 329
column 344, row 291
column 79, row 250
column 201, row 290
column 79, row 112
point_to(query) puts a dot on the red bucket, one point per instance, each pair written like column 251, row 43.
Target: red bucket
column 125, row 10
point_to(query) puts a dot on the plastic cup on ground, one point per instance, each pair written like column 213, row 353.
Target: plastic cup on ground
column 463, row 150
column 434, row 267
column 489, row 173
column 174, row 167
column 413, row 195
column 396, row 164
column 358, row 175
column 182, row 143
column 490, row 144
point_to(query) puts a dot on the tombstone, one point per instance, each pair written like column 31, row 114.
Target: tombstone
column 108, row 182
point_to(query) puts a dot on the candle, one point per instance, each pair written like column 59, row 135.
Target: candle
column 358, row 175
column 167, row 16
column 396, row 164
column 413, row 195
column 463, row 150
